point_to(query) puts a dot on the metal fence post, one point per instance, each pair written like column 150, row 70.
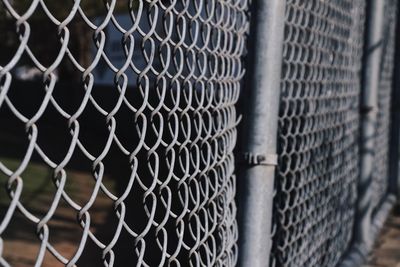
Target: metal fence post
column 394, row 182
column 256, row 183
column 363, row 239
column 369, row 109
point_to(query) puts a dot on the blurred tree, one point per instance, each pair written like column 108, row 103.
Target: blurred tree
column 44, row 40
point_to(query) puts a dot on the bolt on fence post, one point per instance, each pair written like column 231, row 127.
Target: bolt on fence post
column 256, row 177
column 363, row 239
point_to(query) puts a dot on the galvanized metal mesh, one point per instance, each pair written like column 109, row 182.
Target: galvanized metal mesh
column 163, row 131
column 380, row 172
column 316, row 186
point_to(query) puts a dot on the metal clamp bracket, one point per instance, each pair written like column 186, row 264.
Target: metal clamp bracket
column 259, row 159
column 368, row 110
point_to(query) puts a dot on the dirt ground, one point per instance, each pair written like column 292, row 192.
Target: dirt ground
column 65, row 232
column 387, row 250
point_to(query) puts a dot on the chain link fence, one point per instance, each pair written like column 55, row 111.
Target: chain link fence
column 143, row 95
column 381, row 161
column 316, row 186
column 119, row 121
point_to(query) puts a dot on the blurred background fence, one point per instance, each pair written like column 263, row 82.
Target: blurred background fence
column 119, row 123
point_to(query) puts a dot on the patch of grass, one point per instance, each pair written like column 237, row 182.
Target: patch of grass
column 37, row 179
column 39, row 188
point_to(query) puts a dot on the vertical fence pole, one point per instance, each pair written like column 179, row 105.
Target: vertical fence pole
column 394, row 182
column 369, row 110
column 260, row 132
column 363, row 239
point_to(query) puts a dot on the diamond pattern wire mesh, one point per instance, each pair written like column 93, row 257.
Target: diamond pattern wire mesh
column 380, row 173
column 163, row 131
column 315, row 197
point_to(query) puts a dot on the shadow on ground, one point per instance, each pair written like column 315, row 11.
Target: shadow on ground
column 387, row 249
